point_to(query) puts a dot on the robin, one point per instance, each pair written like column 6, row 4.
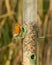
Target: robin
column 17, row 30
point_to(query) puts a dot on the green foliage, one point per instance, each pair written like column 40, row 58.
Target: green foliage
column 45, row 6
column 6, row 33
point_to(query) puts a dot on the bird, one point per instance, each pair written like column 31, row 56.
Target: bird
column 17, row 29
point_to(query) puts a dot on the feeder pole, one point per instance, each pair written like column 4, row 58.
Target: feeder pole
column 30, row 40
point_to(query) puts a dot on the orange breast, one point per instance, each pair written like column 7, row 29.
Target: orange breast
column 16, row 29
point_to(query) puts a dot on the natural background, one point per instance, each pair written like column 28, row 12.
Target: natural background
column 45, row 32
column 10, row 14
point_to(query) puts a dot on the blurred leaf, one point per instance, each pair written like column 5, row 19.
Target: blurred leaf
column 7, row 33
column 5, row 37
column 45, row 6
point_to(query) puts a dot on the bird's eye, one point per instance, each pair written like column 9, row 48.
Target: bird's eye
column 32, row 56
